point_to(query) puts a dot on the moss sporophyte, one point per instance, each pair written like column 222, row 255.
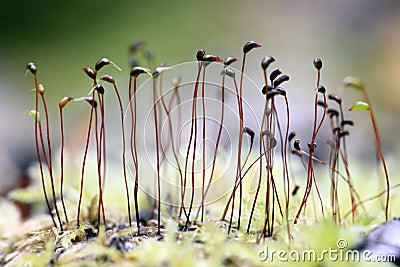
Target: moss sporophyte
column 213, row 180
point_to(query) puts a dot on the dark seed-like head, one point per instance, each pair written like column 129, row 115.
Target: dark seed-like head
column 90, row 72
column 291, row 136
column 336, row 130
column 229, row 60
column 295, row 189
column 332, row 112
column 281, row 79
column 343, row 134
column 103, row 62
column 311, row 148
column 91, row 101
column 63, row 102
column 108, row 78
column 321, row 103
column 335, row 98
column 32, row 68
column 211, row 58
column 266, row 61
column 249, row 46
column 347, row 122
column 250, row 132
column 264, row 89
column 296, row 144
column 275, row 73
column 317, row 63
column 274, row 92
column 321, row 89
column 136, row 71
column 200, row 55
column 98, row 88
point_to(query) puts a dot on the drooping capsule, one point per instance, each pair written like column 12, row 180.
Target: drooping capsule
column 229, row 60
column 266, row 61
column 249, row 46
column 64, row 101
column 90, row 72
column 32, row 68
column 108, row 78
column 317, row 63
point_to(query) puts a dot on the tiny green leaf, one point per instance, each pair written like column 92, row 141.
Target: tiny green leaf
column 35, row 115
column 359, row 105
column 353, row 82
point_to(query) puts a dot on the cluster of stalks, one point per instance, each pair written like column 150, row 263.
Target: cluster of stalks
column 273, row 133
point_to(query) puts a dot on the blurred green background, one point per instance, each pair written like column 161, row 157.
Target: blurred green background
column 358, row 37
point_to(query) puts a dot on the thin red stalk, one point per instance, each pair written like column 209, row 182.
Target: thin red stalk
column 37, row 125
column 103, row 138
column 50, row 167
column 133, row 146
column 218, row 138
column 239, row 164
column 158, row 154
column 84, row 160
column 192, row 128
column 98, row 152
column 136, row 190
column 378, row 146
column 62, row 165
column 264, row 117
column 123, row 157
column 204, row 143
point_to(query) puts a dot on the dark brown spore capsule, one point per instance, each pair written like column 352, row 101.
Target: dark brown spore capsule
column 108, row 78
column 311, row 148
column 229, row 60
column 136, row 71
column 266, row 61
column 32, row 68
column 295, row 189
column 99, row 89
column 250, row 132
column 200, row 55
column 211, row 58
column 274, row 74
column 101, row 63
column 264, row 91
column 90, row 72
column 343, row 134
column 296, row 144
column 321, row 89
column 249, row 46
column 317, row 63
column 332, row 112
column 291, row 136
column 347, row 122
column 335, row 98
column 281, row 79
column 321, row 103
column 274, row 92
column 91, row 101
